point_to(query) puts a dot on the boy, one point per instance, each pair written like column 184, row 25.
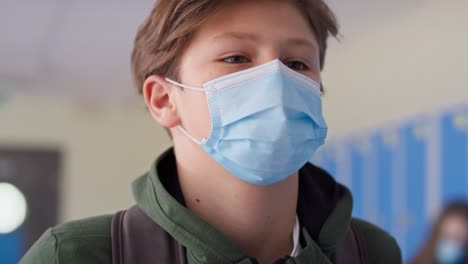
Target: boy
column 237, row 85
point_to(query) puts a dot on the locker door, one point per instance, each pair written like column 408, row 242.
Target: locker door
column 358, row 149
column 454, row 155
column 11, row 247
column 416, row 137
column 385, row 144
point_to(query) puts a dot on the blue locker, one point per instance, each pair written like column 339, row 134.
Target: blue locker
column 358, row 161
column 11, row 247
column 384, row 144
column 416, row 137
column 454, row 155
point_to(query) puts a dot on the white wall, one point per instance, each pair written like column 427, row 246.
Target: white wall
column 395, row 59
column 105, row 148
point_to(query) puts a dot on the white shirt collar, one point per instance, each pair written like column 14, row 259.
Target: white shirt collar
column 297, row 245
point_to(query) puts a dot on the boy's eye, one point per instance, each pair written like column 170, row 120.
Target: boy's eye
column 297, row 65
column 237, row 59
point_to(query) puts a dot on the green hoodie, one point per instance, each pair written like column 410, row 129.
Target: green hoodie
column 324, row 211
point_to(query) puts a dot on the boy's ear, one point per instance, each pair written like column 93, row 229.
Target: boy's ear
column 157, row 94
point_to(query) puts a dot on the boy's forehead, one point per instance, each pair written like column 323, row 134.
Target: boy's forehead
column 252, row 20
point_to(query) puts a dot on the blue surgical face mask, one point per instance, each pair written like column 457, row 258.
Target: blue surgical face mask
column 266, row 122
column 449, row 252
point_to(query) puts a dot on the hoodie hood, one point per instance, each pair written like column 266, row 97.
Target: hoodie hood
column 324, row 211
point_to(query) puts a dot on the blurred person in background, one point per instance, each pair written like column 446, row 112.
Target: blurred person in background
column 448, row 241
column 237, row 85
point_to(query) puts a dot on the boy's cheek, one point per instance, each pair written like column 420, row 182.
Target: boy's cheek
column 195, row 114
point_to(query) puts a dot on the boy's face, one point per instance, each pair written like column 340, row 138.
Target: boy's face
column 242, row 35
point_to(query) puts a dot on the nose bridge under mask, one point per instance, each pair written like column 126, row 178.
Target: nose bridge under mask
column 232, row 78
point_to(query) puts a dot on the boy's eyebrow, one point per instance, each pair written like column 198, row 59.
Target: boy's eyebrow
column 301, row 42
column 237, row 35
column 296, row 41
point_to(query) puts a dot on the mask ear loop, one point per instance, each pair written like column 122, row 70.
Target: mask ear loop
column 185, row 132
column 185, row 86
column 191, row 137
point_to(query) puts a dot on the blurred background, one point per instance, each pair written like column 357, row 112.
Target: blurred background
column 74, row 134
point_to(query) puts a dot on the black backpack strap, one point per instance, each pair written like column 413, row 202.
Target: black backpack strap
column 137, row 239
column 353, row 250
column 360, row 241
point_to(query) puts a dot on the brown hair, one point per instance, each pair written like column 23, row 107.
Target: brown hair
column 427, row 253
column 164, row 35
